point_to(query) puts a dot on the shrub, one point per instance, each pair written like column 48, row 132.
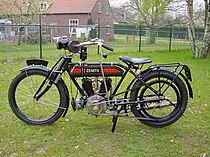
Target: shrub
column 34, row 38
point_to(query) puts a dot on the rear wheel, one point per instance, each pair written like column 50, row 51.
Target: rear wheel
column 47, row 109
column 166, row 106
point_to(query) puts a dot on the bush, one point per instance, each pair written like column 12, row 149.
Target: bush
column 93, row 33
column 34, row 38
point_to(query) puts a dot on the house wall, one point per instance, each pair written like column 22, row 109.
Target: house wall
column 105, row 19
column 62, row 20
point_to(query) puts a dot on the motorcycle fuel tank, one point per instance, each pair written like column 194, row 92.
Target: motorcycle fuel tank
column 94, row 69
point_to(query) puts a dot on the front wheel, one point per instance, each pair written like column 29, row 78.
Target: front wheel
column 47, row 109
column 164, row 106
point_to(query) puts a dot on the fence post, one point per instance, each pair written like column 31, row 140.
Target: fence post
column 140, row 29
column 170, row 36
column 40, row 35
column 99, row 33
column 6, row 37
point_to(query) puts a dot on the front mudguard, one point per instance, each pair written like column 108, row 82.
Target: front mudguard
column 46, row 69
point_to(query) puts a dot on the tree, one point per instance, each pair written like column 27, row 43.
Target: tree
column 20, row 12
column 191, row 28
column 205, row 48
column 149, row 12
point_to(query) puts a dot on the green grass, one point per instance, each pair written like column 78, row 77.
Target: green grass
column 80, row 134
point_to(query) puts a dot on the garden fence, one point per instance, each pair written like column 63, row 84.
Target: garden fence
column 42, row 38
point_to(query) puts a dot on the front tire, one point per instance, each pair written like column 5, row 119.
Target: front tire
column 170, row 89
column 47, row 109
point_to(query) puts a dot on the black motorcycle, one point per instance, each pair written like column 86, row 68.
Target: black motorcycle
column 157, row 96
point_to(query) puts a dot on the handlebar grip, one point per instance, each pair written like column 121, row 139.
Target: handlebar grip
column 108, row 47
column 62, row 43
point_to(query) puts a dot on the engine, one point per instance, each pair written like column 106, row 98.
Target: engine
column 95, row 103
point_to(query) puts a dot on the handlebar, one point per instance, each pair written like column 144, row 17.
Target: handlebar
column 107, row 46
column 74, row 45
column 99, row 42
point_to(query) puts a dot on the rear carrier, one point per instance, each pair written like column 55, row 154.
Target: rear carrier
column 94, row 69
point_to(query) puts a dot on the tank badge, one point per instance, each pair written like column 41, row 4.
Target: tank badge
column 92, row 70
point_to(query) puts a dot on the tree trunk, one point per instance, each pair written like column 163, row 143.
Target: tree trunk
column 193, row 44
column 21, row 30
column 191, row 29
column 19, row 39
column 206, row 38
column 206, row 44
column 152, row 34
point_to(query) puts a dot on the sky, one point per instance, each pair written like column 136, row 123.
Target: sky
column 117, row 3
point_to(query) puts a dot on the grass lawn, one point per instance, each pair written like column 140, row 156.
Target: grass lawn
column 80, row 134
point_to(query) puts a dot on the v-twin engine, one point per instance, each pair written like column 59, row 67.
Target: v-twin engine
column 95, row 102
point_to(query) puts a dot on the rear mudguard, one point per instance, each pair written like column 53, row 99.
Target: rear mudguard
column 185, row 77
column 46, row 69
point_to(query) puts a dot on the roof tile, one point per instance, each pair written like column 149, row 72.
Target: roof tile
column 71, row 6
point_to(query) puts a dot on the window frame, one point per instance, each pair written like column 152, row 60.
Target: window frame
column 72, row 25
column 99, row 8
column 44, row 5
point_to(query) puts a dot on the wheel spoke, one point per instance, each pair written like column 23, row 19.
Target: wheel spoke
column 170, row 95
column 50, row 103
column 44, row 111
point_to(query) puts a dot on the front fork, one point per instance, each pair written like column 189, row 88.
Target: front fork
column 49, row 82
column 52, row 78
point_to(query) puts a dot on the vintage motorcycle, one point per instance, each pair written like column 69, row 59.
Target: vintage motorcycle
column 157, row 95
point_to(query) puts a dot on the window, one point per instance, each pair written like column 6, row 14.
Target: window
column 107, row 28
column 97, row 21
column 43, row 27
column 44, row 5
column 35, row 28
column 32, row 28
column 107, row 9
column 99, row 8
column 73, row 23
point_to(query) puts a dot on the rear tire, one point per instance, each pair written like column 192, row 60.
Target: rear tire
column 164, row 112
column 47, row 109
